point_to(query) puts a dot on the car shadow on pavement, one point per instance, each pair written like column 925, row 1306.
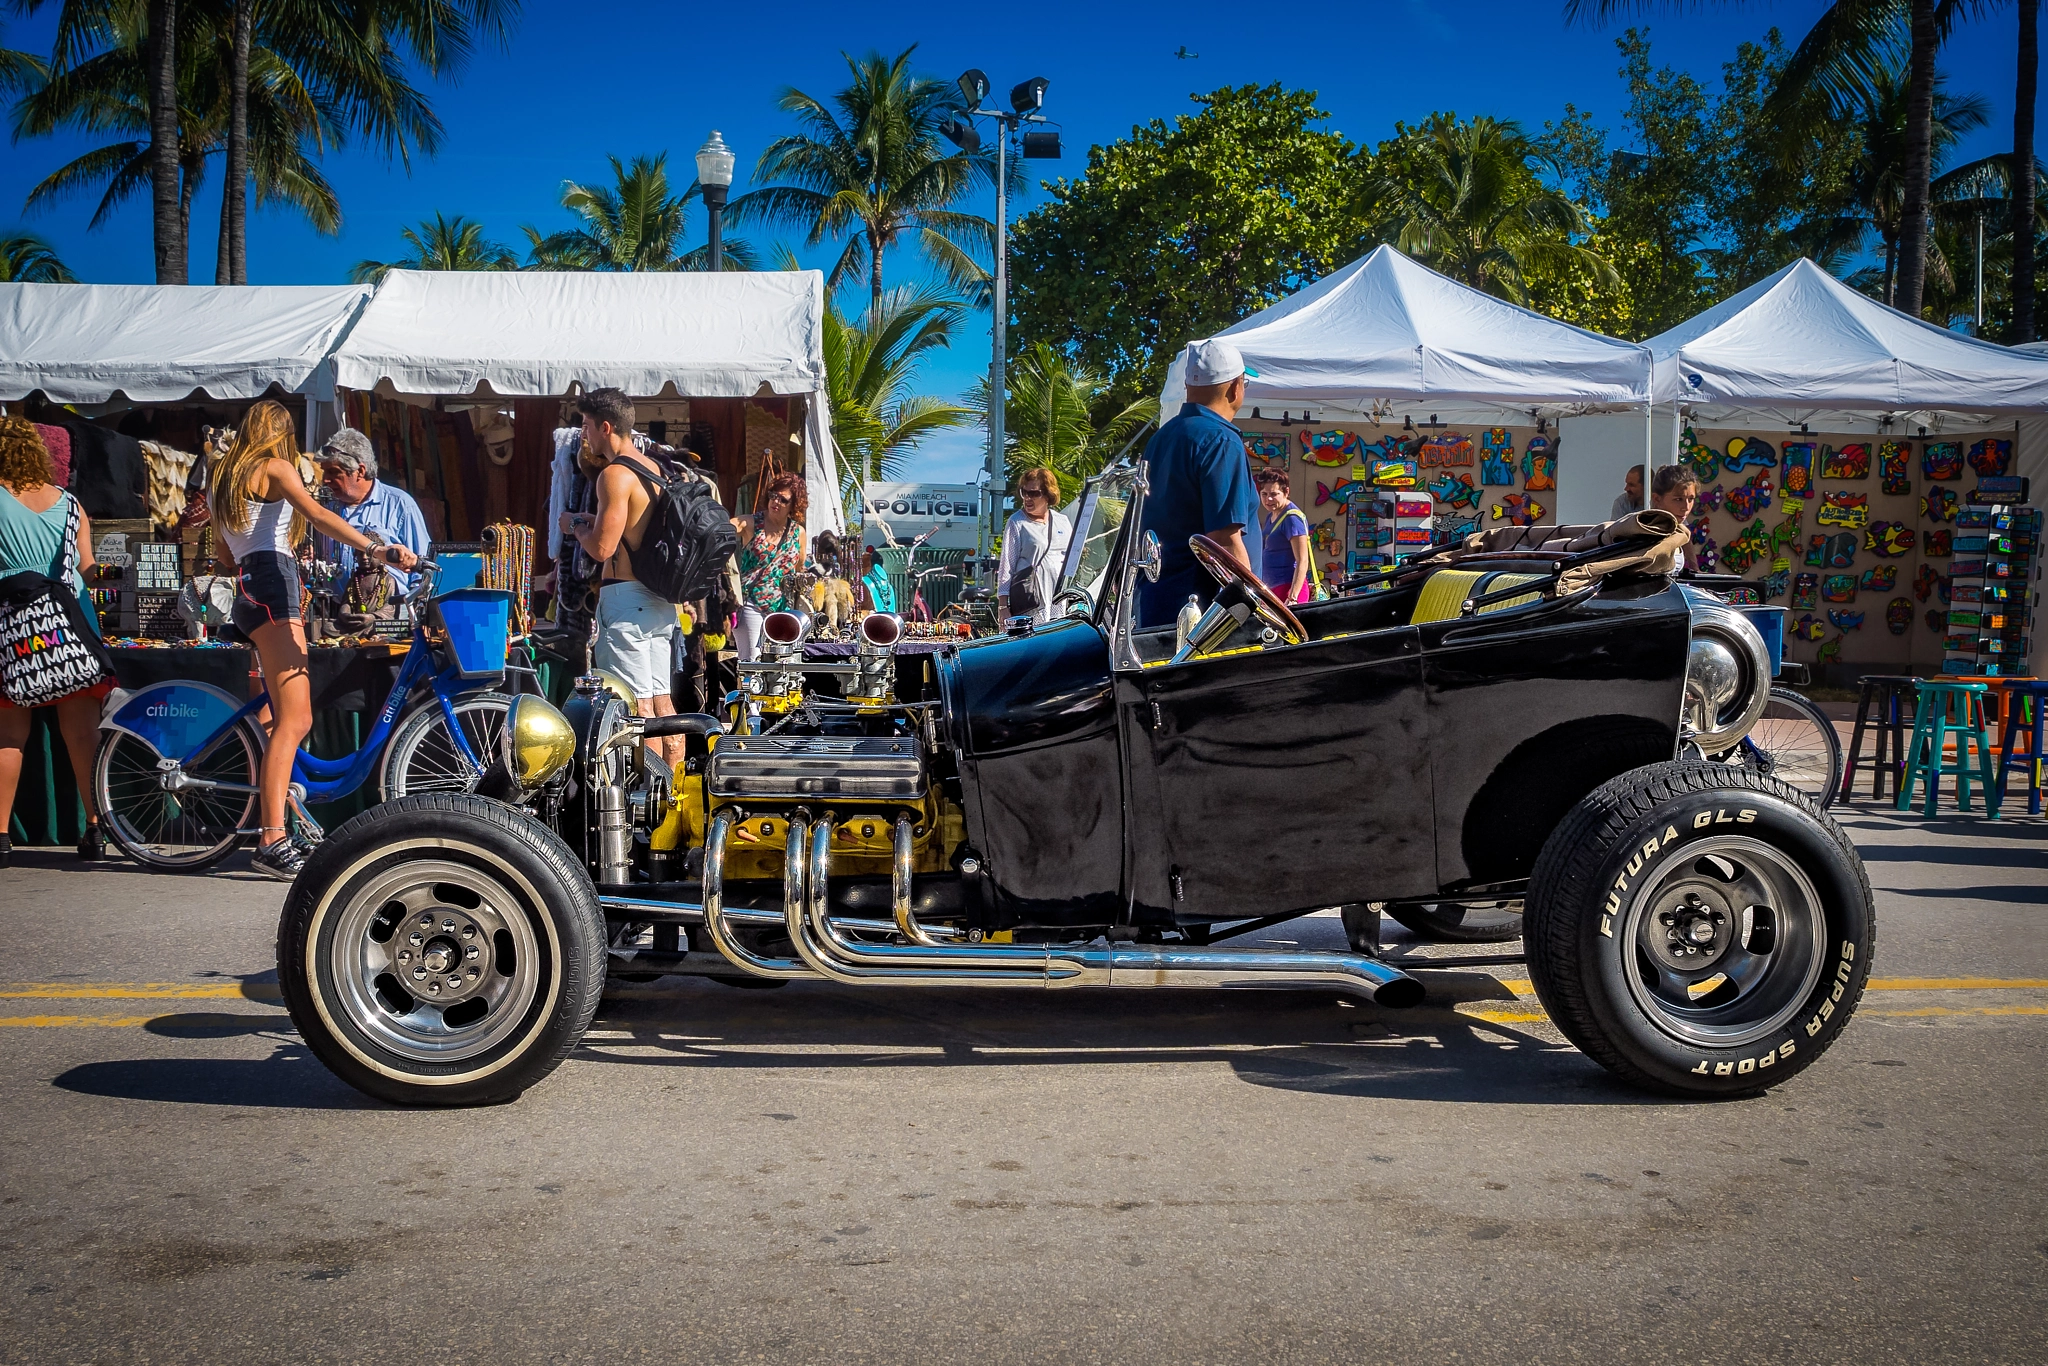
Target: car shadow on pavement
column 289, row 1079
column 2035, row 895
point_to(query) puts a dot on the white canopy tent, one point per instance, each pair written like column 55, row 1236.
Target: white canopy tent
column 540, row 334
column 92, row 344
column 1385, row 336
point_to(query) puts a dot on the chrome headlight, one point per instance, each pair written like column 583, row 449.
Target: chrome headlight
column 537, row 742
column 1727, row 674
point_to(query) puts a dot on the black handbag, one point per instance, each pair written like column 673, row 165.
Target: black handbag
column 1024, row 598
column 48, row 650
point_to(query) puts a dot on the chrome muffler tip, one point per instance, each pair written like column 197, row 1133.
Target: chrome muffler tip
column 1403, row 993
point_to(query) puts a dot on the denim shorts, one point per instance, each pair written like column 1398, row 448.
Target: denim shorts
column 266, row 590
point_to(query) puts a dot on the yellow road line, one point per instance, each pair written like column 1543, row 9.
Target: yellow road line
column 75, row 1021
column 124, row 991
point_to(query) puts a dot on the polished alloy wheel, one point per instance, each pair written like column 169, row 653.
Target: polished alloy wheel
column 434, row 961
column 1728, row 936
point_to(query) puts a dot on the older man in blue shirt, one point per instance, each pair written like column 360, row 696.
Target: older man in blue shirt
column 1200, row 481
column 348, row 474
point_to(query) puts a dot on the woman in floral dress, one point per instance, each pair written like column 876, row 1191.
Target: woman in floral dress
column 771, row 554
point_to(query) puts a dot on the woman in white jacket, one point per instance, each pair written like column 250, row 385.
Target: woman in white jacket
column 1034, row 547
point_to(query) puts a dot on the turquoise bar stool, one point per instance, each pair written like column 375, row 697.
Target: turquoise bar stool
column 2030, row 697
column 1949, row 709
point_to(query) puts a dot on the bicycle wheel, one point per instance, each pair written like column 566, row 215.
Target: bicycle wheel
column 184, row 830
column 1795, row 741
column 421, row 756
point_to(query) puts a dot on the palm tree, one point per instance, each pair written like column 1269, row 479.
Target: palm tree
column 870, row 366
column 2024, row 184
column 28, row 259
column 632, row 224
column 1061, row 416
column 1462, row 198
column 456, row 243
column 873, row 173
column 1878, row 181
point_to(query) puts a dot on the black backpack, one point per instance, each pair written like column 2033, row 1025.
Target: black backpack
column 689, row 536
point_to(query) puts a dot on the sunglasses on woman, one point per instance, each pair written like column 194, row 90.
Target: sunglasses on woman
column 1031, row 493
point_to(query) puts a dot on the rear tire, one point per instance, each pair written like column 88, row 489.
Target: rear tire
column 441, row 950
column 1699, row 929
column 180, row 832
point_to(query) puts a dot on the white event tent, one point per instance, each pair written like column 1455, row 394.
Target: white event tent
column 94, row 344
column 462, row 334
column 1386, row 336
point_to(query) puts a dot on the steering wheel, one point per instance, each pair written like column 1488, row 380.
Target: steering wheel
column 1225, row 567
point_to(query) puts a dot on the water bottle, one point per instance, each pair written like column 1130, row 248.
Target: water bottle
column 1184, row 624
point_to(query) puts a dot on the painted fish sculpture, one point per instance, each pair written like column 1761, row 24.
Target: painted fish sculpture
column 1889, row 539
column 1456, row 490
column 1347, row 495
column 1744, row 451
column 1751, row 545
column 1266, row 448
column 1991, row 457
column 1894, row 468
column 1452, row 529
column 1850, row 462
column 1844, row 509
column 1518, row 509
column 1808, row 627
column 1539, row 466
column 1939, row 504
column 1846, row 621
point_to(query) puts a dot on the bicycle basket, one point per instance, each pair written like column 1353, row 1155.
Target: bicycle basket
column 469, row 630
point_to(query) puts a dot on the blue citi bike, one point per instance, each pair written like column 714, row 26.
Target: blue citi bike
column 178, row 762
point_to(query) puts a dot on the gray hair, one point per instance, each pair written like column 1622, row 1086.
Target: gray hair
column 351, row 450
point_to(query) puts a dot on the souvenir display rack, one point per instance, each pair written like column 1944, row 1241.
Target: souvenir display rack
column 1991, row 582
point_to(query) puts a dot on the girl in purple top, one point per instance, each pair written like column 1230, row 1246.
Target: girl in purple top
column 1283, row 560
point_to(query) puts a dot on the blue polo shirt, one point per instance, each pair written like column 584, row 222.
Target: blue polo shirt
column 391, row 512
column 1200, row 482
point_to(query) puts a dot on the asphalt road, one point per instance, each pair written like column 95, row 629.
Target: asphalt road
column 821, row 1174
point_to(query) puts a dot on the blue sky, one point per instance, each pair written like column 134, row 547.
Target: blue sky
column 580, row 81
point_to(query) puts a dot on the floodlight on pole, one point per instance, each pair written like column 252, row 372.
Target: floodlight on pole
column 1028, row 97
column 714, row 180
column 974, row 87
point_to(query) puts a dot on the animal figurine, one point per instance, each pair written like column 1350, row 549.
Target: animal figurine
column 1881, row 578
column 1830, row 653
column 1808, row 627
column 1898, row 616
column 1703, row 461
column 1539, row 466
column 1497, row 458
column 1991, row 457
column 1889, row 539
column 1751, row 497
column 1328, row 449
column 1797, row 480
column 1850, row 462
column 1455, row 490
column 1446, row 448
column 1844, row 509
column 1939, row 504
column 1519, row 509
column 1894, row 466
column 1786, row 533
column 1805, row 592
column 1942, row 460
column 1776, row 584
column 1323, row 536
column 833, row 600
column 1938, row 545
column 1749, row 546
column 1266, row 448
column 1710, row 499
column 1347, row 495
column 1705, row 554
column 1846, row 621
column 1744, row 451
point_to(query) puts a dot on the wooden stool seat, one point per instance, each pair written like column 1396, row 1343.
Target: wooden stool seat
column 1947, row 708
column 1891, row 694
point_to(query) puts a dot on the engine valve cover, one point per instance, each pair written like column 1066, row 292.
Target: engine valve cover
column 794, row 767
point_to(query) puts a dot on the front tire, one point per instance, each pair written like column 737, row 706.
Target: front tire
column 441, row 950
column 1699, row 929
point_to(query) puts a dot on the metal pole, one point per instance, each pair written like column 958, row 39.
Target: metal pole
column 714, row 204
column 1980, row 272
column 996, row 389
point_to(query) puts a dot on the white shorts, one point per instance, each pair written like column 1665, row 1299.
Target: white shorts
column 636, row 638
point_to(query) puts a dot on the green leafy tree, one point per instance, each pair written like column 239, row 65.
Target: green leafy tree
column 1466, row 200
column 1061, row 416
column 28, row 259
column 870, row 373
column 1183, row 228
column 1878, row 175
column 868, row 167
column 635, row 223
column 456, row 243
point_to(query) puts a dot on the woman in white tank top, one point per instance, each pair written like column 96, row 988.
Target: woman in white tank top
column 262, row 509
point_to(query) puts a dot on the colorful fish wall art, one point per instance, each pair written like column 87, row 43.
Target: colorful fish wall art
column 1452, row 529
column 1751, row 497
column 1808, row 627
column 1898, row 616
column 1889, row 539
column 1881, row 578
column 1939, row 545
column 1850, row 462
column 1776, row 584
column 1894, row 468
column 1703, row 461
column 1941, row 460
column 1749, row 546
column 1939, row 504
column 1991, row 457
column 1830, row 653
column 1838, row 588
column 1518, row 509
column 1323, row 536
column 1710, row 499
column 1347, row 495
column 1796, row 475
column 1539, row 466
column 1744, row 451
column 1266, row 448
column 1454, row 489
column 1328, row 449
column 1846, row 621
column 1445, row 449
column 1831, row 552
column 1844, row 509
column 1805, row 592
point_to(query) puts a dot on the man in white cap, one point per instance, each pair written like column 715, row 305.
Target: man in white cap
column 1200, row 481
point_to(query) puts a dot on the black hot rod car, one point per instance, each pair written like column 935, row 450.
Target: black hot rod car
column 1090, row 804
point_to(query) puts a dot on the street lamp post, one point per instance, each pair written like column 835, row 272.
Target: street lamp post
column 714, row 177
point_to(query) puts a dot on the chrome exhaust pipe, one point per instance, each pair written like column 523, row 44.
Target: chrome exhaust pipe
column 722, row 937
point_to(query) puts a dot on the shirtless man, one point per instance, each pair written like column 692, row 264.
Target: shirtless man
column 636, row 629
